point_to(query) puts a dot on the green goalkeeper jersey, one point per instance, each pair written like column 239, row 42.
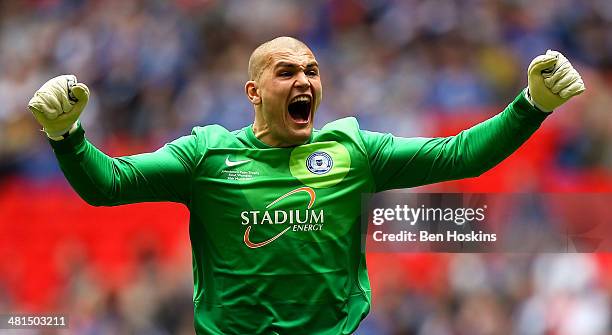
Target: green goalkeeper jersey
column 275, row 232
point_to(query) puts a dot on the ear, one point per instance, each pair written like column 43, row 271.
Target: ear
column 252, row 93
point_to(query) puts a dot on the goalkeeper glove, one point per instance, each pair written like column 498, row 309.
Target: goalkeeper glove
column 58, row 104
column 552, row 81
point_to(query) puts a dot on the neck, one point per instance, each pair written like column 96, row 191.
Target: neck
column 264, row 134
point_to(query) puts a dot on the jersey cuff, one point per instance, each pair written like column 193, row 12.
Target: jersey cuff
column 68, row 144
column 526, row 111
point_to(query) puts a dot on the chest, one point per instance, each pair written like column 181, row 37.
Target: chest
column 316, row 187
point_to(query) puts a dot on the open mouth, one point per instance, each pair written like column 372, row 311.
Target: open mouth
column 299, row 108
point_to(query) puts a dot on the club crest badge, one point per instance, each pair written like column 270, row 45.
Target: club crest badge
column 319, row 162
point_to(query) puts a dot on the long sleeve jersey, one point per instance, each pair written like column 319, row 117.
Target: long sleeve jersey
column 275, row 232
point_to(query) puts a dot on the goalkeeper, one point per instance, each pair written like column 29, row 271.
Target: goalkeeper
column 275, row 206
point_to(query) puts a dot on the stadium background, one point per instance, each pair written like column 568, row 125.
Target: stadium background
column 413, row 68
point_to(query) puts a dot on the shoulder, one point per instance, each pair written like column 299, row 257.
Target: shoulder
column 208, row 130
column 347, row 124
column 215, row 135
column 347, row 128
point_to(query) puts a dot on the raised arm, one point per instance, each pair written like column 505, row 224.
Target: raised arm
column 164, row 175
column 407, row 162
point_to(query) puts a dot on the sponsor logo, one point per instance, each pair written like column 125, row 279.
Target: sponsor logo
column 319, row 162
column 230, row 163
column 295, row 219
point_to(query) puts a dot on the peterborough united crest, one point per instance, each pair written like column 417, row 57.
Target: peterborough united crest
column 319, row 162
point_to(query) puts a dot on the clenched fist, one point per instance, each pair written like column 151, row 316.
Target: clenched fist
column 58, row 104
column 552, row 81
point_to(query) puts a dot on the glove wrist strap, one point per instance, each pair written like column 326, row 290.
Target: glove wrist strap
column 533, row 103
column 63, row 135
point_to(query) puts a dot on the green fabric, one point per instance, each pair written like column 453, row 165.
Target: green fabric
column 277, row 248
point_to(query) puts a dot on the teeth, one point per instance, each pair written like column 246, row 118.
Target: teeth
column 301, row 98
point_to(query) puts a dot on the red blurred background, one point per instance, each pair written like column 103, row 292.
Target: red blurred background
column 413, row 68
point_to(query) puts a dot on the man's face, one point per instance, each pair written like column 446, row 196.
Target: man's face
column 290, row 90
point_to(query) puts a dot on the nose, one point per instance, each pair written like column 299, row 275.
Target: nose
column 301, row 80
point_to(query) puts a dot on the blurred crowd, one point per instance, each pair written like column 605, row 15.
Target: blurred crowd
column 490, row 294
column 158, row 68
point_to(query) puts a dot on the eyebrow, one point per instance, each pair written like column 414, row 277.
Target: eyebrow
column 292, row 65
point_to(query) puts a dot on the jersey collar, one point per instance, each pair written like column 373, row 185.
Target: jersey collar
column 261, row 145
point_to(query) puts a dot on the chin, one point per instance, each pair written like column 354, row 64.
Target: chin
column 300, row 136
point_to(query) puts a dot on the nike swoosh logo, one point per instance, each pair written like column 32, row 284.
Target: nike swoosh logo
column 234, row 163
